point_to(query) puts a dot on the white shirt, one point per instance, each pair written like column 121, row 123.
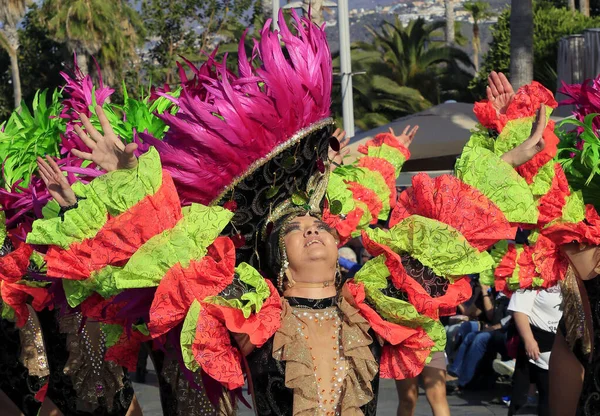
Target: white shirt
column 543, row 310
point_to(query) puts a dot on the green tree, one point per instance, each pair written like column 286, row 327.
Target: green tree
column 479, row 10
column 550, row 23
column 189, row 28
column 11, row 14
column 406, row 71
column 40, row 60
column 108, row 29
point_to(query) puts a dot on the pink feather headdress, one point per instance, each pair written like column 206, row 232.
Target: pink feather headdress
column 228, row 125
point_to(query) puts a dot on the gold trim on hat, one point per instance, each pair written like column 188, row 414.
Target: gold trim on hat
column 277, row 150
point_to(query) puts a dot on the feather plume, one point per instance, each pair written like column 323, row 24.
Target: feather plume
column 227, row 122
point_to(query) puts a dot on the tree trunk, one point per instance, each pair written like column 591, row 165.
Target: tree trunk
column 15, row 76
column 521, row 42
column 571, row 5
column 449, row 21
column 584, row 7
column 82, row 62
column 476, row 46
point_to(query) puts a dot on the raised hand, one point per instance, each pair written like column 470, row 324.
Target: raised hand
column 533, row 145
column 108, row 151
column 407, row 135
column 56, row 182
column 336, row 156
column 499, row 91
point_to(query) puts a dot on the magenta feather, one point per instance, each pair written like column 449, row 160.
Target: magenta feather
column 226, row 122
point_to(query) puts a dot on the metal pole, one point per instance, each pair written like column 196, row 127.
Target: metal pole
column 346, row 68
column 275, row 10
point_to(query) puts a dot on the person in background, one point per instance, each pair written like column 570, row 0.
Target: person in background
column 348, row 262
column 536, row 315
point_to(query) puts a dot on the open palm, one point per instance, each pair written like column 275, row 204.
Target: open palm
column 499, row 91
column 56, row 182
column 108, row 151
column 407, row 136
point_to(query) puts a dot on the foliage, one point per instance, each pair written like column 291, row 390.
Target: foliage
column 550, row 25
column 187, row 28
column 406, row 72
column 28, row 134
column 594, row 5
column 40, row 61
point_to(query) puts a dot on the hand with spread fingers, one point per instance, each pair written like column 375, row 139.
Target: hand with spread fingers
column 533, row 145
column 407, row 135
column 108, row 151
column 499, row 91
column 56, row 182
column 337, row 153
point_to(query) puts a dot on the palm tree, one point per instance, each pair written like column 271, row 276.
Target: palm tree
column 405, row 72
column 571, row 5
column 11, row 13
column 584, row 7
column 480, row 10
column 449, row 4
column 89, row 27
column 413, row 59
column 521, row 42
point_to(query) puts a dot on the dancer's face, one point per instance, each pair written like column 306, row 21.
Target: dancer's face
column 309, row 240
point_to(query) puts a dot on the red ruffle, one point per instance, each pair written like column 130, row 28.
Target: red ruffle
column 13, row 266
column 17, row 296
column 40, row 396
column 529, row 169
column 212, row 346
column 368, row 196
column 449, row 200
column 457, row 293
column 527, row 269
column 550, row 205
column 127, row 349
column 120, row 237
column 550, row 263
column 344, row 227
column 386, row 169
column 96, row 308
column 585, row 232
column 407, row 348
column 387, row 138
column 505, row 269
column 181, row 286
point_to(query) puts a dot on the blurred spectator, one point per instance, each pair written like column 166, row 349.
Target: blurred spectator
column 348, row 262
column 491, row 337
column 536, row 315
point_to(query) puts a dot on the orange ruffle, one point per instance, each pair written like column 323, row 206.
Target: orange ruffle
column 408, row 348
column 449, row 200
column 120, row 237
column 584, row 232
column 368, row 196
column 181, row 286
column 505, row 269
column 344, row 227
column 13, row 266
column 457, row 293
column 381, row 138
column 17, row 296
column 212, row 346
column 386, row 169
column 529, row 169
column 550, row 205
column 549, row 262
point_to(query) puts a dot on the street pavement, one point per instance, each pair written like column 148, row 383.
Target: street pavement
column 473, row 403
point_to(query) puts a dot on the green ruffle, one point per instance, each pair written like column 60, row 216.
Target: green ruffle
column 515, row 132
column 112, row 193
column 252, row 300
column 8, row 313
column 337, row 191
column 3, row 232
column 374, row 276
column 573, row 211
column 187, row 241
column 100, row 281
column 188, row 334
column 76, row 225
column 389, row 153
column 370, row 179
column 497, row 180
column 435, row 244
column 487, row 277
column 513, row 282
column 112, row 332
column 542, row 181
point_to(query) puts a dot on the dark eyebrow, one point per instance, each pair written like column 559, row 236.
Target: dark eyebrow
column 290, row 226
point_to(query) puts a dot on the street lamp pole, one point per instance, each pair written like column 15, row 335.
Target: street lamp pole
column 275, row 15
column 346, row 67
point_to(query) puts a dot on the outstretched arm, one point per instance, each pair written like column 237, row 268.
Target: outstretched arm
column 499, row 91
